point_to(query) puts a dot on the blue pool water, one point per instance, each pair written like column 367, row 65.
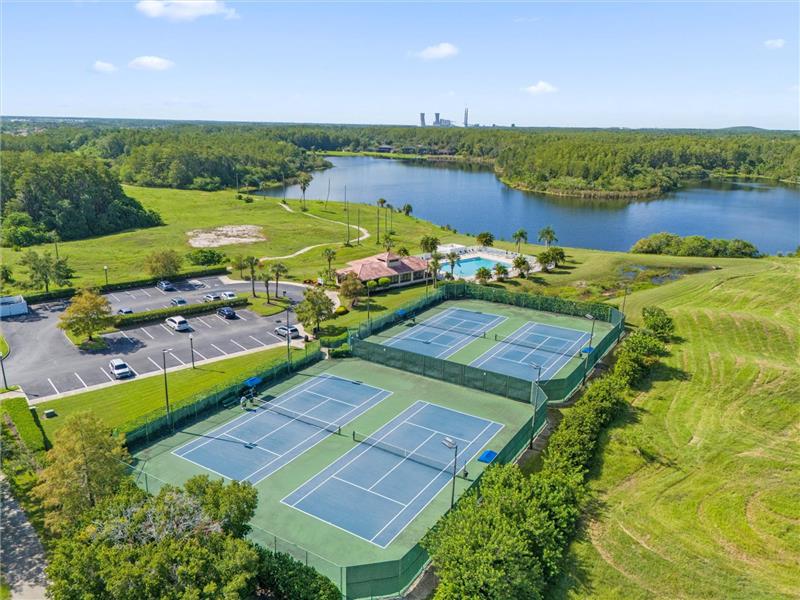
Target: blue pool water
column 467, row 267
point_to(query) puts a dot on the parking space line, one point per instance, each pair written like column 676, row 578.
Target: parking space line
column 125, row 335
column 256, row 340
column 238, row 344
column 223, row 320
column 200, row 355
column 167, row 329
column 218, row 348
column 160, row 290
column 240, row 316
column 204, row 323
column 176, row 358
column 147, row 333
column 114, row 296
column 129, row 294
column 133, row 371
column 54, row 385
column 83, row 383
column 146, row 293
column 158, row 366
column 104, row 372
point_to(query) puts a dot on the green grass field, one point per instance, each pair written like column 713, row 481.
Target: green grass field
column 697, row 490
column 4, row 349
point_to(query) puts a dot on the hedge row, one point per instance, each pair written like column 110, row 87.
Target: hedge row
column 20, row 414
column 184, row 310
column 334, row 341
column 112, row 287
column 342, row 351
column 535, row 516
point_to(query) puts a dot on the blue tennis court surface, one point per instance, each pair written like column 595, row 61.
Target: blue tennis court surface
column 446, row 333
column 549, row 346
column 377, row 488
column 267, row 437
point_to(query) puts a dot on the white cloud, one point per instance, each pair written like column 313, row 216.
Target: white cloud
column 437, row 52
column 775, row 44
column 184, row 10
column 102, row 66
column 541, row 87
column 151, row 63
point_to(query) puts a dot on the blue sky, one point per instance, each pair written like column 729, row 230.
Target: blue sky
column 535, row 64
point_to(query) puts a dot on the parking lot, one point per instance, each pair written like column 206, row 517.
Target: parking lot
column 44, row 363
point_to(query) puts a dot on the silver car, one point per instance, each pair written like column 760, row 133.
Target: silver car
column 119, row 368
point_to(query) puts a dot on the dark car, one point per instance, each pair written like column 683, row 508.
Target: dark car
column 125, row 311
column 226, row 312
column 179, row 301
column 165, row 286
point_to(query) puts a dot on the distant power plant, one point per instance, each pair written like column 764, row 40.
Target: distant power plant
column 438, row 121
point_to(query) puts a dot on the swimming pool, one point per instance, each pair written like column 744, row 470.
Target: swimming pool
column 466, row 267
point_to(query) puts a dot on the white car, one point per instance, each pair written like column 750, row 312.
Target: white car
column 212, row 297
column 119, row 369
column 290, row 331
column 178, row 323
column 228, row 295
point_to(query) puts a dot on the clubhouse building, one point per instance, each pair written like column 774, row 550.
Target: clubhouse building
column 400, row 270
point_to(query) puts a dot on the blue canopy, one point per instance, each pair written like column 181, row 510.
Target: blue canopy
column 253, row 382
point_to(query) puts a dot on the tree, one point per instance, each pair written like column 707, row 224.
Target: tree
column 6, row 275
column 658, row 321
column 303, row 180
column 280, row 577
column 265, row 276
column 232, row 505
column 558, row 254
column 315, row 308
column 252, row 263
column 483, row 275
column 329, row 254
column 88, row 313
column 44, row 270
column 239, row 264
column 434, row 266
column 278, row 270
column 163, row 263
column 485, row 238
column 380, row 202
column 85, row 466
column 546, row 259
column 500, row 271
column 522, row 266
column 351, row 288
column 429, row 244
column 453, row 258
column 403, row 251
column 407, row 209
column 519, row 236
column 547, row 235
column 206, row 257
column 388, row 242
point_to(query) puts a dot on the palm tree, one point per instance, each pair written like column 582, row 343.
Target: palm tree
column 434, row 264
column 277, row 270
column 304, row 179
column 380, row 204
column 388, row 227
column 501, row 271
column 388, row 242
column 485, row 238
column 329, row 254
column 482, row 275
column 265, row 276
column 453, row 258
column 407, row 209
column 429, row 243
column 519, row 236
column 251, row 262
column 558, row 254
column 522, row 265
column 238, row 263
column 547, row 235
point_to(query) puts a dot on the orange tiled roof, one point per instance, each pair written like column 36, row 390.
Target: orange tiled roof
column 384, row 265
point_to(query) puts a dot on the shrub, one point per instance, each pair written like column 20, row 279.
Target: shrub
column 334, row 341
column 342, row 351
column 280, row 577
column 206, row 256
column 17, row 410
column 341, row 310
column 658, row 321
column 163, row 313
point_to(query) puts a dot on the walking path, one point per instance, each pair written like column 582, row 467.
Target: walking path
column 21, row 552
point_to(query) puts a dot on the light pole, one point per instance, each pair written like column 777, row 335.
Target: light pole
column 166, row 389
column 622, row 328
column 588, row 350
column 288, row 333
column 591, row 336
column 449, row 443
column 105, row 268
column 534, row 387
column 191, row 348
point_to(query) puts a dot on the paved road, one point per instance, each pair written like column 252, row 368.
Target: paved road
column 46, row 364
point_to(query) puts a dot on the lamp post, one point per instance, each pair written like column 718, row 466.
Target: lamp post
column 166, row 388
column 591, row 336
column 534, row 387
column 449, row 443
column 191, row 348
column 288, row 333
column 622, row 328
column 105, row 268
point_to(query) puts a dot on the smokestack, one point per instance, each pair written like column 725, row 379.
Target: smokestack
column 436, row 120
column 466, row 117
column 422, row 119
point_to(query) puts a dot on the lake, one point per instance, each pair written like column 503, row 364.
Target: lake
column 472, row 200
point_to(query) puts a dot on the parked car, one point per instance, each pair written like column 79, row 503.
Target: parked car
column 226, row 312
column 212, row 297
column 228, row 295
column 196, row 283
column 119, row 368
column 178, row 301
column 165, row 286
column 290, row 330
column 125, row 311
column 178, row 323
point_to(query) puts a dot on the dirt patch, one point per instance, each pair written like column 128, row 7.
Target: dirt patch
column 225, row 236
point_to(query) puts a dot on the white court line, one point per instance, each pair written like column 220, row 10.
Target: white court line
column 81, row 380
column 147, row 333
column 450, row 435
column 200, row 355
column 158, row 366
column 256, row 340
column 104, row 372
column 267, row 450
column 490, row 353
column 334, row 399
column 579, row 341
column 219, row 349
column 204, row 323
column 238, row 344
column 369, row 491
column 54, row 386
column 468, row 339
column 385, row 475
column 176, row 358
column 167, row 329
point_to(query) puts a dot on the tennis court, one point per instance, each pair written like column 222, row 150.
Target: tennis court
column 547, row 346
column 377, row 488
column 272, row 434
column 446, row 333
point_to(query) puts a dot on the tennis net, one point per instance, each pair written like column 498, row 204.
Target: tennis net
column 309, row 420
column 534, row 346
column 438, row 464
column 469, row 332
